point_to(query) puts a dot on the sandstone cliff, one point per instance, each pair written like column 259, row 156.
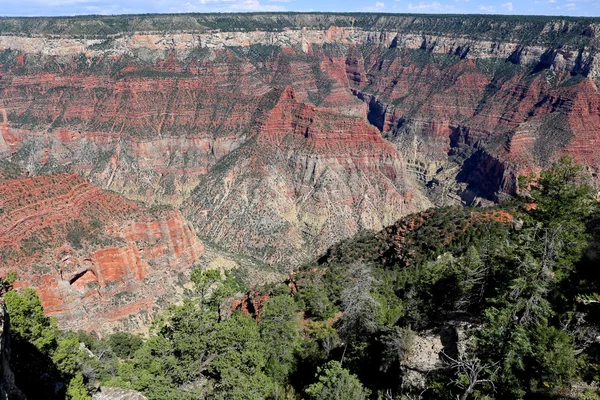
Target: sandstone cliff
column 306, row 179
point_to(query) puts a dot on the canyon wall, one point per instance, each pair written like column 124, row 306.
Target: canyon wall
column 274, row 135
column 308, row 177
column 97, row 261
column 148, row 105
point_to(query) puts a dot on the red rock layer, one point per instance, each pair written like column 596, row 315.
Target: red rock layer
column 121, row 130
column 307, row 178
column 40, row 208
column 164, row 123
column 523, row 118
column 126, row 267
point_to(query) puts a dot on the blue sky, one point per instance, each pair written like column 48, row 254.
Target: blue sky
column 73, row 7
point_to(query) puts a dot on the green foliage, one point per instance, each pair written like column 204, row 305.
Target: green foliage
column 6, row 283
column 204, row 280
column 192, row 347
column 313, row 296
column 76, row 389
column 76, row 234
column 42, row 355
column 518, row 333
column 563, row 205
column 466, row 264
column 240, row 366
column 526, row 295
column 124, row 344
column 336, row 383
column 554, row 359
column 396, row 346
column 278, row 326
column 319, row 341
column 28, row 321
column 67, row 356
column 79, row 232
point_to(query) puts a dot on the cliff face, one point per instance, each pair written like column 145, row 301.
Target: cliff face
column 97, row 261
column 307, row 178
column 279, row 134
column 148, row 112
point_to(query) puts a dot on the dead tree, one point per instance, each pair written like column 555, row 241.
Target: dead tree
column 473, row 370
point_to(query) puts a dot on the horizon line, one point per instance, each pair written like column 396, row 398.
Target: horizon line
column 348, row 13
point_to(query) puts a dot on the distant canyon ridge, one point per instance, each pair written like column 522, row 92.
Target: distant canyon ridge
column 128, row 143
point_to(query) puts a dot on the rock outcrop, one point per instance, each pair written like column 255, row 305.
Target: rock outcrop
column 306, row 179
column 433, row 350
column 107, row 393
column 98, row 262
column 148, row 113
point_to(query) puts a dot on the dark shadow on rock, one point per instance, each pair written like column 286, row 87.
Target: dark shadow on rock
column 35, row 373
column 484, row 175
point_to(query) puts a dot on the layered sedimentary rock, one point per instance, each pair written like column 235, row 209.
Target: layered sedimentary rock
column 266, row 129
column 306, row 178
column 98, row 262
column 481, row 122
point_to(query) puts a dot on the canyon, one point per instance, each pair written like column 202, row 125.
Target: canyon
column 128, row 143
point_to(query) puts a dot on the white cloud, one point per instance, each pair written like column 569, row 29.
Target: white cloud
column 378, row 6
column 252, row 5
column 73, row 7
column 435, row 6
column 487, row 9
column 508, row 6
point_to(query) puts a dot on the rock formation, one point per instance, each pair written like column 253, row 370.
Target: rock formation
column 98, row 262
column 149, row 113
column 275, row 135
column 306, row 179
column 107, row 393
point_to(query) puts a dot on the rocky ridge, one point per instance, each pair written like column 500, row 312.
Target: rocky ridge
column 310, row 178
column 98, row 262
column 430, row 84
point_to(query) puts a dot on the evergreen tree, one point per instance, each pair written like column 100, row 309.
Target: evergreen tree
column 76, row 389
column 336, row 383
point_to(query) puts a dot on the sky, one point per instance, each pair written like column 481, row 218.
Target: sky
column 78, row 7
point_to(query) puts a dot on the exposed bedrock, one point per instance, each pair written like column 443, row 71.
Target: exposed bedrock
column 266, row 130
column 307, row 178
column 98, row 262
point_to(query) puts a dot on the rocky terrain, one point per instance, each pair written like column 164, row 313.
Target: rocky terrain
column 307, row 178
column 274, row 135
column 98, row 262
